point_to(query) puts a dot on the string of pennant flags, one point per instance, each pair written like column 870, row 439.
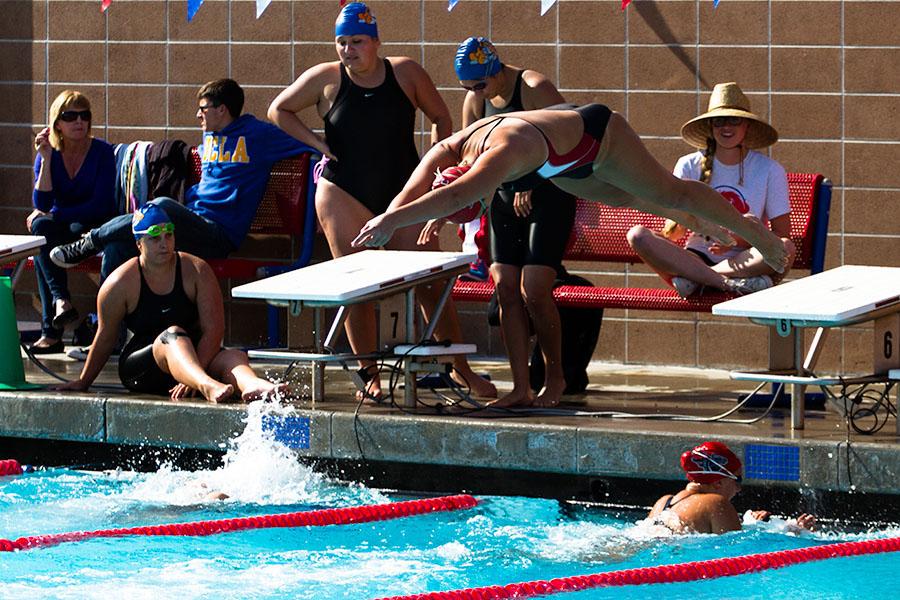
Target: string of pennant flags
column 261, row 5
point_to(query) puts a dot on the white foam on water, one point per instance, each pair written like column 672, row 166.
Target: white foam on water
column 257, row 469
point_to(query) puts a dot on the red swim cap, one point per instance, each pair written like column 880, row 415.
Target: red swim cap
column 448, row 176
column 709, row 462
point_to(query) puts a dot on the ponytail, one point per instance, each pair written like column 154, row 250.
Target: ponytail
column 708, row 155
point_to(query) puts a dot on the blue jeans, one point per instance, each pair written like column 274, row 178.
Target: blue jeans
column 52, row 281
column 193, row 234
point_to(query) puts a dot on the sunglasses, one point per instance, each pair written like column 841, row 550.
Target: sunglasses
column 157, row 230
column 206, row 107
column 723, row 121
column 477, row 87
column 71, row 115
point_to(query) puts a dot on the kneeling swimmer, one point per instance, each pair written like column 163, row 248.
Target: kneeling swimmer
column 714, row 475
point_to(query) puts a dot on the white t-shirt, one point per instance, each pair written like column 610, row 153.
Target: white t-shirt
column 764, row 192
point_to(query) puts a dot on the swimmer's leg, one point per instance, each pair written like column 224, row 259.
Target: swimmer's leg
column 175, row 354
column 627, row 164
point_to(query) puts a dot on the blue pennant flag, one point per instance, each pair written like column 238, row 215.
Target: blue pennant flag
column 715, row 3
column 451, row 4
column 193, row 7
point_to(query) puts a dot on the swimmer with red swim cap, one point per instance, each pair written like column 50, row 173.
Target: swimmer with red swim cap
column 714, row 476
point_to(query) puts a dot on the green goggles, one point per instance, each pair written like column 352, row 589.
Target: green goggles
column 159, row 229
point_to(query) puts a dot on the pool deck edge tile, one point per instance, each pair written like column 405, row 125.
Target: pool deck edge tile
column 48, row 415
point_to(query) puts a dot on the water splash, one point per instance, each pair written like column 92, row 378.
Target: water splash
column 256, row 469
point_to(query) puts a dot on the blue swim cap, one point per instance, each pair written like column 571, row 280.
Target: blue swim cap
column 476, row 58
column 356, row 19
column 146, row 217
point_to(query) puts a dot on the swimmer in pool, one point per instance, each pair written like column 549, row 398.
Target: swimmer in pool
column 704, row 505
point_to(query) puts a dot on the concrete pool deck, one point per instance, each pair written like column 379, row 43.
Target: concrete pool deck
column 815, row 458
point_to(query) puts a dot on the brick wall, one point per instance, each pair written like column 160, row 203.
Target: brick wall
column 825, row 73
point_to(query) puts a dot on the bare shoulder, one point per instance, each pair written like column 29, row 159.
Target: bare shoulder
column 406, row 67
column 534, row 79
column 126, row 275
column 194, row 266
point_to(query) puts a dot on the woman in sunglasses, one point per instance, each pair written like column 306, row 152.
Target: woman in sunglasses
column 714, row 476
column 529, row 229
column 176, row 348
column 727, row 136
column 74, row 190
column 588, row 151
column 368, row 104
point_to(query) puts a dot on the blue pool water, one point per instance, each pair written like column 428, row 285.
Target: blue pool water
column 500, row 541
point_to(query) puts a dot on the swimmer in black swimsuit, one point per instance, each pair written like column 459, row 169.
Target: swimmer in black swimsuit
column 704, row 505
column 368, row 104
column 176, row 349
column 588, row 151
column 529, row 229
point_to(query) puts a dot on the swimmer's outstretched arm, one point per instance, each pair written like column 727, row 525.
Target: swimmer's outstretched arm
column 417, row 202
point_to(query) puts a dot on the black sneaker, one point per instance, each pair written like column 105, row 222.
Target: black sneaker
column 71, row 254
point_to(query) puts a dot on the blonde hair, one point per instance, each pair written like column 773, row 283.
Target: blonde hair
column 66, row 100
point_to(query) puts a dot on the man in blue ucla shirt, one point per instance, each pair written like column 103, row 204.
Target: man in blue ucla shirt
column 237, row 154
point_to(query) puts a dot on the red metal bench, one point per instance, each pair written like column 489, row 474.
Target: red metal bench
column 599, row 236
column 287, row 209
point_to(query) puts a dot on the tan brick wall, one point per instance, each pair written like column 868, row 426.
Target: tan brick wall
column 824, row 72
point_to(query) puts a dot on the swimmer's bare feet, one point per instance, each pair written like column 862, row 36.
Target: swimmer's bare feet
column 263, row 389
column 479, row 386
column 515, row 399
column 551, row 394
column 217, row 392
column 373, row 394
column 773, row 249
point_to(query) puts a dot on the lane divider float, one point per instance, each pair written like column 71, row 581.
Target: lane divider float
column 10, row 467
column 678, row 573
column 330, row 516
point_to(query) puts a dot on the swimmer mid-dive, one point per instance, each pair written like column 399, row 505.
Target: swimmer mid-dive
column 589, row 151
column 704, row 505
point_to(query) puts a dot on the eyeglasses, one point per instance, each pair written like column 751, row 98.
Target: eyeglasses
column 723, row 121
column 71, row 115
column 157, row 230
column 206, row 107
column 477, row 87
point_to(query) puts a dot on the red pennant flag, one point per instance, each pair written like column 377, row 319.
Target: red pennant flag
column 104, row 5
column 625, row 4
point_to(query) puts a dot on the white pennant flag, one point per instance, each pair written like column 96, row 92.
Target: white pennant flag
column 546, row 5
column 261, row 6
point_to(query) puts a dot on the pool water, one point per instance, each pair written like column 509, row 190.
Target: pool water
column 502, row 540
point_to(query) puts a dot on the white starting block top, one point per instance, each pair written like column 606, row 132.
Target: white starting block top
column 828, row 299
column 356, row 275
column 11, row 245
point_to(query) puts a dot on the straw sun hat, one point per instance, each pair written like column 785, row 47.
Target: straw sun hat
column 727, row 100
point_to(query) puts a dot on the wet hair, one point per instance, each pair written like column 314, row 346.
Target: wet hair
column 224, row 91
column 64, row 101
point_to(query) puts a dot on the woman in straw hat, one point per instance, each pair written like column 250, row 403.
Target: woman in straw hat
column 727, row 136
column 588, row 151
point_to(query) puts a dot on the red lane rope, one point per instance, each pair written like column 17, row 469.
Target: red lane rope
column 707, row 569
column 330, row 516
column 10, row 467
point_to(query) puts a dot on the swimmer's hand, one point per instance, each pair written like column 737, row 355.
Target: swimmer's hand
column 375, row 233
column 804, row 521
column 522, row 203
column 76, row 385
column 182, row 391
column 431, row 230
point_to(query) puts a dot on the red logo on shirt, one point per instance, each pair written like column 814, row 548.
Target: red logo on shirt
column 734, row 196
